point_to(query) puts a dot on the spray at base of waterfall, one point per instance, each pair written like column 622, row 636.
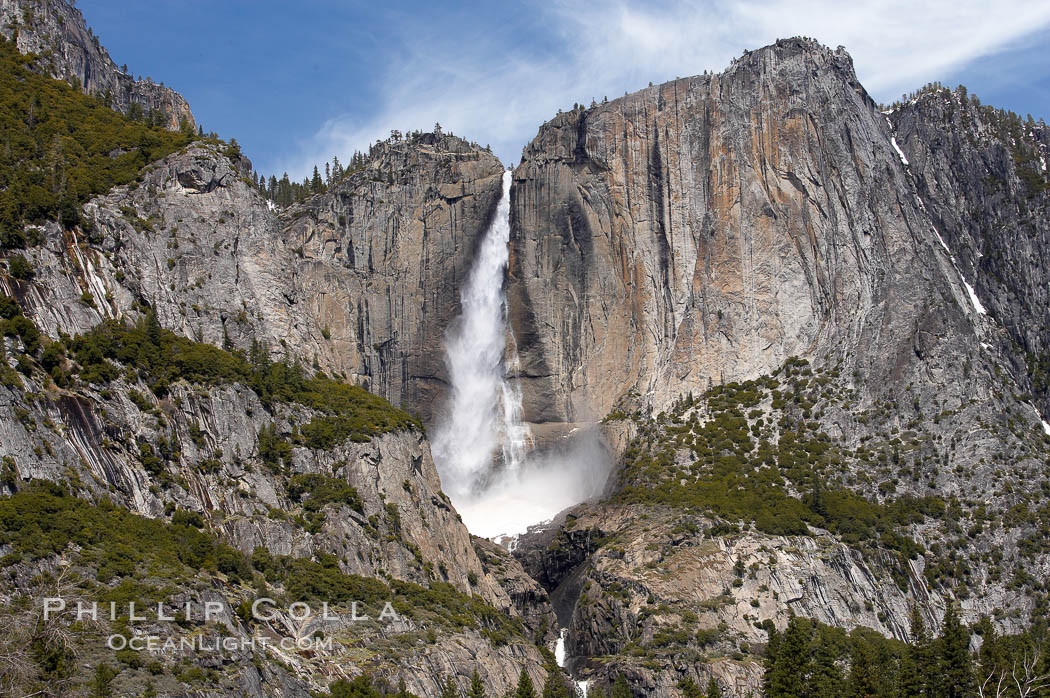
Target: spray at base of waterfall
column 547, row 483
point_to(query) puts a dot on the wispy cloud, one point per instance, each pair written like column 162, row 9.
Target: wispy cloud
column 496, row 87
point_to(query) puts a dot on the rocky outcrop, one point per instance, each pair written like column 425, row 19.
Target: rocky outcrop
column 406, row 529
column 382, row 257
column 981, row 174
column 68, row 50
column 529, row 597
column 692, row 234
column 702, row 232
column 209, row 461
column 362, row 281
column 660, row 588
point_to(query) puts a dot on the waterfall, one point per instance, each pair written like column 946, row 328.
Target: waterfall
column 561, row 657
column 559, row 648
column 483, row 423
column 482, row 449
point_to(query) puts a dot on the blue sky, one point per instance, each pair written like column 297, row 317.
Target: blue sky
column 298, row 82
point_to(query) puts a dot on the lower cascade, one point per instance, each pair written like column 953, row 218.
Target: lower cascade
column 561, row 656
column 482, row 447
column 559, row 648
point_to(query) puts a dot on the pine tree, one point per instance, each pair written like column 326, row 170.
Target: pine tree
column 525, row 688
column 285, row 196
column 788, row 661
column 555, row 686
column 826, row 679
column 153, row 328
column 689, row 689
column 954, row 661
column 448, row 689
column 713, row 689
column 621, row 689
column 477, row 689
column 912, row 679
column 864, row 678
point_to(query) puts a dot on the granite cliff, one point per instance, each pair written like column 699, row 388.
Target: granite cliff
column 68, row 50
column 813, row 331
column 759, row 261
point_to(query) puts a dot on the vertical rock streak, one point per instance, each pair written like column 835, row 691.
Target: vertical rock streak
column 484, row 415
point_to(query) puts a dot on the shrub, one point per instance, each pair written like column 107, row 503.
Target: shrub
column 321, row 490
column 20, row 267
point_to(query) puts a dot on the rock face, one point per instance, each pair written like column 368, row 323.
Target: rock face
column 694, row 234
column 363, row 280
column 663, row 570
column 704, row 230
column 360, row 282
column 404, row 528
column 68, row 50
column 382, row 256
column 982, row 176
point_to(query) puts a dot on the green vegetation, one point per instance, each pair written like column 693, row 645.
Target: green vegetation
column 363, row 687
column 129, row 550
column 162, row 357
column 772, row 466
column 556, row 686
column 477, row 689
column 525, row 688
column 321, row 490
column 315, row 492
column 811, row 660
column 14, row 324
column 20, row 268
column 43, row 520
column 63, row 147
column 621, row 689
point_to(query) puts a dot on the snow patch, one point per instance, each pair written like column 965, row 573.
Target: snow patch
column 941, row 240
column 977, row 305
column 1046, row 427
column 898, row 149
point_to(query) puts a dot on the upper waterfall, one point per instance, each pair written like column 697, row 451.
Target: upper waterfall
column 482, row 449
column 484, row 414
